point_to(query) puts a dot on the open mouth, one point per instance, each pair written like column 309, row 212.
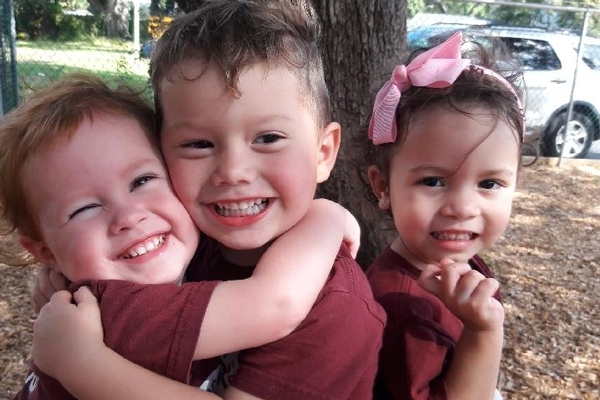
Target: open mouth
column 147, row 246
column 242, row 208
column 454, row 236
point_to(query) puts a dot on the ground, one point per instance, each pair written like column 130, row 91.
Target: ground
column 548, row 263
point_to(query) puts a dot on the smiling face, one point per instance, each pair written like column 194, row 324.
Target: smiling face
column 246, row 167
column 450, row 185
column 105, row 207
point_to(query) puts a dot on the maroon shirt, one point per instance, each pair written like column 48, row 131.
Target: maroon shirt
column 333, row 352
column 421, row 333
column 155, row 326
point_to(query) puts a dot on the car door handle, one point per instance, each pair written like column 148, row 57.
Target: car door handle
column 558, row 80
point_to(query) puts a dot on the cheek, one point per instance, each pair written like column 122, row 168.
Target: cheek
column 500, row 215
column 182, row 180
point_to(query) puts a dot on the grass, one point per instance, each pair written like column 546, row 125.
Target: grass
column 41, row 63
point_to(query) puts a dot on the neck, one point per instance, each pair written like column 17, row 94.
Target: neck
column 244, row 258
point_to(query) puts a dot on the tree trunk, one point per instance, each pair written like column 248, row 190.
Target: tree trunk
column 116, row 14
column 362, row 42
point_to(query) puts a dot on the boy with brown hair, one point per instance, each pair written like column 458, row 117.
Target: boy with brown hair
column 246, row 132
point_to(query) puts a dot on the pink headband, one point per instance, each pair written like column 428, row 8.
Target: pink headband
column 436, row 68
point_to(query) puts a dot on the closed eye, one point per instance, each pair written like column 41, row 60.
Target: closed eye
column 83, row 209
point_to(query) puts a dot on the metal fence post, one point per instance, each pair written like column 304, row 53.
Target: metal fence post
column 9, row 88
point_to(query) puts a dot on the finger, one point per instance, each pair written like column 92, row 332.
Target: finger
column 58, row 281
column 486, row 289
column 38, row 300
column 467, row 284
column 429, row 279
column 446, row 261
column 353, row 248
column 43, row 283
column 450, row 274
column 84, row 295
column 61, row 297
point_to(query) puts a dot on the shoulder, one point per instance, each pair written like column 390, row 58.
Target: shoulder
column 391, row 273
column 348, row 291
column 478, row 264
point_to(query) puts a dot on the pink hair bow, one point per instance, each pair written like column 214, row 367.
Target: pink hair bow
column 438, row 67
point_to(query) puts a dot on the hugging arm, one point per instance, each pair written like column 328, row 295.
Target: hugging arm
column 284, row 286
column 282, row 292
column 92, row 370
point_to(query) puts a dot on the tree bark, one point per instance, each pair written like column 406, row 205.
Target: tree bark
column 362, row 42
column 116, row 16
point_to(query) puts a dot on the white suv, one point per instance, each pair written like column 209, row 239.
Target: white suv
column 548, row 61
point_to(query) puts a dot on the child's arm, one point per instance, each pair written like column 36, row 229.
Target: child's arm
column 96, row 372
column 474, row 368
column 286, row 282
column 251, row 318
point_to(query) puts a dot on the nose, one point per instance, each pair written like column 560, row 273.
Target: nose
column 460, row 203
column 128, row 214
column 234, row 166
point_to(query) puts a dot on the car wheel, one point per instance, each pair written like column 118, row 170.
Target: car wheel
column 578, row 140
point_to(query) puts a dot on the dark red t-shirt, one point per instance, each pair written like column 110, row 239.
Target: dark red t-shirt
column 420, row 335
column 155, row 326
column 332, row 355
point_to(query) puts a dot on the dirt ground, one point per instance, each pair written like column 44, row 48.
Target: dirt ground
column 548, row 263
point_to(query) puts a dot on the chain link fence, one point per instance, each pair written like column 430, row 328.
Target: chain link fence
column 556, row 48
column 31, row 63
column 561, row 71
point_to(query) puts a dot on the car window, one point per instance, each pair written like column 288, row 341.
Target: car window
column 591, row 56
column 429, row 36
column 534, row 54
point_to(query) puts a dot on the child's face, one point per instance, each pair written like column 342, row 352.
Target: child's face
column 450, row 188
column 245, row 167
column 105, row 207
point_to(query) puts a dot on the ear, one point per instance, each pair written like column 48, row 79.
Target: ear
column 379, row 186
column 328, row 151
column 39, row 250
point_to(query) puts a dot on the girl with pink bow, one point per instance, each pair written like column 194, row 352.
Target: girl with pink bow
column 444, row 156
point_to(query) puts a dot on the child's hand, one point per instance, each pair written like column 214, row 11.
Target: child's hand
column 352, row 233
column 66, row 335
column 467, row 294
column 46, row 284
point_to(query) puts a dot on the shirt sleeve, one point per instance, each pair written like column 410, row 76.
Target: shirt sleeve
column 155, row 326
column 332, row 355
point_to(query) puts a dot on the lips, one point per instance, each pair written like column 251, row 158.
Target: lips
column 149, row 245
column 241, row 208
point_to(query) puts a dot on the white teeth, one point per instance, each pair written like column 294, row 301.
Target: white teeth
column 144, row 247
column 241, row 209
column 453, row 236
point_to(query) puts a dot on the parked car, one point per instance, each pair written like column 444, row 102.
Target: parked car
column 147, row 48
column 549, row 64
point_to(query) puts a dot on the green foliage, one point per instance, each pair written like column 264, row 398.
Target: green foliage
column 37, row 18
column 43, row 19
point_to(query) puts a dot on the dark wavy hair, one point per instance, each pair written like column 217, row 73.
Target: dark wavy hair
column 472, row 87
